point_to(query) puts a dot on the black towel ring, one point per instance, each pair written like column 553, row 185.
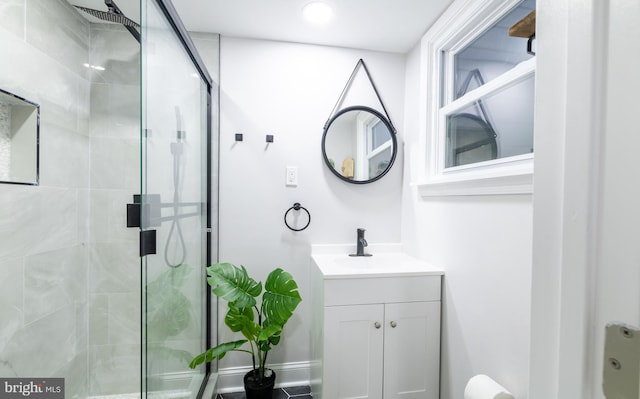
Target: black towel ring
column 297, row 207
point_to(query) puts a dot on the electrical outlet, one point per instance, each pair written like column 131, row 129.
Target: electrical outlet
column 292, row 176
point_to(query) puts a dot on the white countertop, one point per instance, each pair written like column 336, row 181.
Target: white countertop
column 387, row 260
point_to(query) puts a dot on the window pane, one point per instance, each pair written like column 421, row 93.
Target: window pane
column 492, row 53
column 497, row 126
column 379, row 163
column 379, row 135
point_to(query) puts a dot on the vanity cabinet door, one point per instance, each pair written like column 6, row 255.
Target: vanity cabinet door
column 412, row 350
column 353, row 360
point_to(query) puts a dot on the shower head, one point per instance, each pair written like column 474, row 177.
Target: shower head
column 109, row 17
column 113, row 15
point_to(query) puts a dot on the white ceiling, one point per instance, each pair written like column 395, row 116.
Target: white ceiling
column 383, row 25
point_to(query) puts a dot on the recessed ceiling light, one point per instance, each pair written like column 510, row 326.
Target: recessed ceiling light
column 317, row 12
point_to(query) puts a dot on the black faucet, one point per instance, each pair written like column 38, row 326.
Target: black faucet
column 360, row 244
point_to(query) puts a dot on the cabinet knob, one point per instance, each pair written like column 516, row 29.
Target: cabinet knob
column 377, row 325
column 393, row 324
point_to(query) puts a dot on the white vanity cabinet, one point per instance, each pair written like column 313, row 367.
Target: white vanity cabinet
column 377, row 334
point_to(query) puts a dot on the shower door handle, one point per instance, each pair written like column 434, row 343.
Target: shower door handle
column 133, row 215
column 145, row 210
column 147, row 242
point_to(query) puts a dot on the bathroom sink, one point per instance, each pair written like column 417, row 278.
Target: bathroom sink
column 381, row 264
column 375, row 318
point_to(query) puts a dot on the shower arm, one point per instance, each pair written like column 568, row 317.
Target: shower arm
column 114, row 14
column 113, row 7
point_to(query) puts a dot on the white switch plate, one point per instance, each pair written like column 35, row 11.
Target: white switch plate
column 292, row 176
column 621, row 362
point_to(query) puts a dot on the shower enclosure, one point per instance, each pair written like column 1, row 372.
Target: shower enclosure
column 127, row 137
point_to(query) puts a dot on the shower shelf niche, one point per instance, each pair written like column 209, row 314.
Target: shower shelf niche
column 19, row 138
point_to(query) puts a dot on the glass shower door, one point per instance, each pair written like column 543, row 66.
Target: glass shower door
column 174, row 187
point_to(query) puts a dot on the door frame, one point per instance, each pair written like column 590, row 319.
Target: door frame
column 572, row 192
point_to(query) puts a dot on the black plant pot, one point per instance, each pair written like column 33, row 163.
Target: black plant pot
column 257, row 389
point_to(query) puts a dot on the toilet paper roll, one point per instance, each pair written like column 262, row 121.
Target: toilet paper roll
column 483, row 387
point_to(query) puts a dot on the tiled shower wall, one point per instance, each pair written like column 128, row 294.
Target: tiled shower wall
column 114, row 286
column 43, row 229
column 69, row 292
column 5, row 141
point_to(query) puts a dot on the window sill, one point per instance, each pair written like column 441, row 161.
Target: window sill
column 521, row 183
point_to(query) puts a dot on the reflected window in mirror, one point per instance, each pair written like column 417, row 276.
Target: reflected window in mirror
column 19, row 136
column 480, row 111
column 358, row 145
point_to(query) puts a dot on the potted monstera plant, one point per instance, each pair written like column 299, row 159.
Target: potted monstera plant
column 259, row 320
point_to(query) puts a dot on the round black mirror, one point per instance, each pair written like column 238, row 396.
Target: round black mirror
column 359, row 145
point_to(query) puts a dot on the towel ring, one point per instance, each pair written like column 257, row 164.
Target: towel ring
column 297, row 207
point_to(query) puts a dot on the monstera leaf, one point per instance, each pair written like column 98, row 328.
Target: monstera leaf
column 241, row 320
column 281, row 297
column 217, row 352
column 270, row 334
column 233, row 284
column 261, row 326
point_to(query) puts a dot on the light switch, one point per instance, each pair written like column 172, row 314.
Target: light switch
column 292, row 176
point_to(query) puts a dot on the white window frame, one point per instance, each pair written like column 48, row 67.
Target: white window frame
column 462, row 23
column 365, row 122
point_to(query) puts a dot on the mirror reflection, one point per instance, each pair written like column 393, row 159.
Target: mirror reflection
column 359, row 145
column 19, row 120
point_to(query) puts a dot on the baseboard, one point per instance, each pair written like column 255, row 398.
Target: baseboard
column 287, row 375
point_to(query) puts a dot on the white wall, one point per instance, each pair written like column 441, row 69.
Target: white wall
column 289, row 90
column 584, row 206
column 484, row 245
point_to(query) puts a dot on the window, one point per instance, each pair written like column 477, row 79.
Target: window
column 378, row 147
column 374, row 144
column 479, row 93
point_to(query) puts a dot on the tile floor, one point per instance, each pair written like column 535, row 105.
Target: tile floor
column 303, row 392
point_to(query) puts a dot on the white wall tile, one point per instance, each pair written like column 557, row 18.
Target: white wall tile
column 109, row 216
column 114, row 369
column 50, row 340
column 53, row 280
column 55, row 27
column 42, row 228
column 11, row 301
column 64, row 157
column 12, row 15
column 115, row 163
column 124, row 318
column 117, row 51
column 34, row 220
column 99, row 319
column 115, row 110
column 115, row 267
